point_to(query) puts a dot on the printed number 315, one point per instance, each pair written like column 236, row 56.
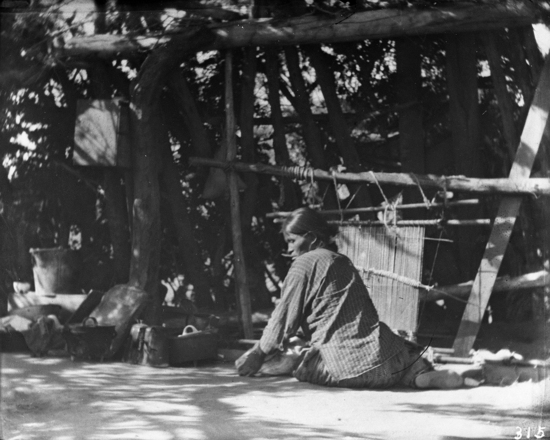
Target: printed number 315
column 520, row 435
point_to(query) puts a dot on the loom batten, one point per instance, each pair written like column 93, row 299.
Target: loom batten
column 405, row 223
column 400, row 223
column 431, row 205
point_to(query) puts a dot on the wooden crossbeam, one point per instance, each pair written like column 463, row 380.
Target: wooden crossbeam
column 506, row 217
column 321, row 28
column 533, row 186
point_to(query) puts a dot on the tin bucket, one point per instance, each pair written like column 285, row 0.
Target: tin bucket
column 55, row 270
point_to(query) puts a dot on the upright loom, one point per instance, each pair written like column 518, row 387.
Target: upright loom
column 390, row 261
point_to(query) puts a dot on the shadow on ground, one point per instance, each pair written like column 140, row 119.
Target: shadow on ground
column 53, row 398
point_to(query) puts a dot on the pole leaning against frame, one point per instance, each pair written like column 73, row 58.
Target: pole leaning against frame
column 506, row 217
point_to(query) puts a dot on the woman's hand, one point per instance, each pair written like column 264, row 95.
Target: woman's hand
column 250, row 362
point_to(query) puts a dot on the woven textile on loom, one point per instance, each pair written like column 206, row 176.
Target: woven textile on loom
column 398, row 251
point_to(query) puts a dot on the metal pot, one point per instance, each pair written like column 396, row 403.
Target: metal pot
column 89, row 340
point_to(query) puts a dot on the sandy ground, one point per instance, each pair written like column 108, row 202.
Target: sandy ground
column 55, row 398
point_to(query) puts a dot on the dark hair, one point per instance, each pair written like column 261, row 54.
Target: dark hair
column 305, row 220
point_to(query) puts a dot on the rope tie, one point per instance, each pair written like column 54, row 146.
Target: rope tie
column 445, row 200
column 300, row 173
column 387, row 205
column 353, row 196
column 227, row 166
column 312, row 193
column 424, row 198
column 333, row 173
column 379, row 187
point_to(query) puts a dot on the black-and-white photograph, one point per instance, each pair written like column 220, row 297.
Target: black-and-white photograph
column 274, row 219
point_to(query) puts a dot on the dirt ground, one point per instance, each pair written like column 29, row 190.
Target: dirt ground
column 55, row 398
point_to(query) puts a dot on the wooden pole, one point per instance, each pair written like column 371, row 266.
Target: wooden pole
column 533, row 186
column 382, row 208
column 243, row 295
column 460, row 222
column 506, row 217
column 502, row 284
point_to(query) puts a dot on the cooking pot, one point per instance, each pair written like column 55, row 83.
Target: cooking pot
column 89, row 340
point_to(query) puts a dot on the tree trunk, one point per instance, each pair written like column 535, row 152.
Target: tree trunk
column 187, row 107
column 188, row 248
column 517, row 56
column 255, row 266
column 411, row 124
column 288, row 197
column 338, row 123
column 464, row 106
column 145, row 256
column 464, row 112
column 315, row 29
column 503, row 96
column 115, row 203
column 313, row 137
column 117, row 216
column 279, row 136
column 149, row 134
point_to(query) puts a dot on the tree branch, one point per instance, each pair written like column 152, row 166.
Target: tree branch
column 311, row 29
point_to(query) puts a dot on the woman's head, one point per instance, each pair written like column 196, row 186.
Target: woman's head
column 305, row 230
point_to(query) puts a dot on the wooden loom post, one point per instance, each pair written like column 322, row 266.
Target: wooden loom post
column 243, row 294
column 505, row 219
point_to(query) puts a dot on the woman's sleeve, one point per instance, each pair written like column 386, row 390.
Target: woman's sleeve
column 287, row 316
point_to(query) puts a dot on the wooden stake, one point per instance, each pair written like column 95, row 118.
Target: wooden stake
column 243, row 295
column 506, row 217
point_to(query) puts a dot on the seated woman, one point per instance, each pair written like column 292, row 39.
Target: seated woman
column 325, row 329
